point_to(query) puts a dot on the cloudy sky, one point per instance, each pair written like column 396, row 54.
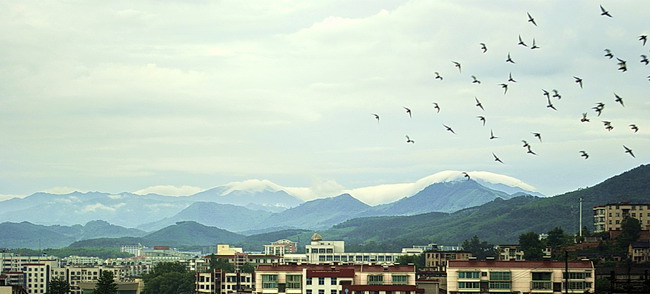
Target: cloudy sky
column 118, row 96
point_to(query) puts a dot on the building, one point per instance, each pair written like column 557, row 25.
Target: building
column 474, row 276
column 509, row 252
column 436, row 261
column 335, row 279
column 639, row 252
column 78, row 275
column 281, row 247
column 225, row 249
column 610, row 216
column 329, row 252
column 123, row 287
column 218, row 282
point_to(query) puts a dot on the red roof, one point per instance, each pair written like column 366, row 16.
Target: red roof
column 323, row 267
column 517, row 264
column 338, row 273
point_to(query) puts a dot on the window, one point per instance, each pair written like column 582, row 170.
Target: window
column 321, row 291
column 499, row 285
column 468, row 275
column 375, row 279
column 332, row 291
column 333, row 281
column 308, row 292
column 577, row 276
column 400, row 279
column 469, row 285
column 321, row 281
column 541, row 276
column 294, row 281
column 499, row 276
column 579, row 285
column 269, row 281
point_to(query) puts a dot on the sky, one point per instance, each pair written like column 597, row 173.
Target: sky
column 121, row 96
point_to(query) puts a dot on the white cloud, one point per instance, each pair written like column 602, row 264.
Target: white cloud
column 99, row 206
column 4, row 197
column 168, row 190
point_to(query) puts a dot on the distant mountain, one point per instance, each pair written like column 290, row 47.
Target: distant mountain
column 317, row 214
column 442, row 197
column 254, row 194
column 28, row 235
column 500, row 220
column 225, row 216
column 192, row 233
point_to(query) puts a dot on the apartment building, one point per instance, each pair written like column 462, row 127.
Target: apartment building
column 218, row 282
column 76, row 275
column 335, row 279
column 281, row 247
column 328, row 252
column 639, row 252
column 437, row 260
column 610, row 216
column 474, row 276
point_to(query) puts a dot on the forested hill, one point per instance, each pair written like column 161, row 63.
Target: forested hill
column 499, row 221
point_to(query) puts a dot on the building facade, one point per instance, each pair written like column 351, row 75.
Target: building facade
column 610, row 216
column 474, row 276
column 281, row 247
column 437, row 260
column 218, row 282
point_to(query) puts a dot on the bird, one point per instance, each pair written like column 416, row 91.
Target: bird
column 496, row 158
column 408, row 111
column 510, row 79
column 509, row 59
column 584, row 154
column 492, row 136
column 408, row 139
column 604, row 12
column 438, row 76
column 449, row 129
column 609, row 54
column 643, row 38
column 531, row 151
column 376, row 116
column 531, row 19
column 483, row 47
column 608, row 125
column 549, row 104
column 521, row 42
column 481, row 118
column 578, row 80
column 436, row 106
column 584, row 117
column 619, row 99
column 475, row 80
column 634, row 128
column 538, row 136
column 556, row 94
column 644, row 59
column 622, row 65
column 478, row 104
column 466, row 175
column 505, row 88
column 628, row 150
column 546, row 93
column 525, row 143
column 599, row 108
column 457, row 64
column 534, row 45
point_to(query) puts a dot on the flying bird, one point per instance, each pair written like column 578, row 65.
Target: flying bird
column 521, row 42
column 584, row 117
column 578, row 81
column 584, row 154
column 604, row 12
column 475, row 80
column 509, row 59
column 525, row 143
column 643, row 38
column 456, row 64
column 408, row 111
column 534, row 45
column 481, row 118
column 549, row 104
column 436, row 107
column 609, row 54
column 531, row 151
column 483, row 47
column 599, row 108
column 408, row 139
column 628, row 150
column 478, row 104
column 622, row 65
column 510, row 79
column 556, row 94
column 546, row 93
column 466, row 175
column 492, row 136
column 449, row 129
column 505, row 88
column 531, row 19
column 608, row 125
column 496, row 158
column 438, row 76
column 634, row 128
column 376, row 116
column 538, row 136
column 644, row 59
column 619, row 99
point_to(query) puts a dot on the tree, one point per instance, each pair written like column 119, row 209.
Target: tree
column 630, row 230
column 221, row 263
column 247, row 268
column 479, row 249
column 417, row 260
column 106, row 284
column 57, row 286
column 532, row 246
column 169, row 278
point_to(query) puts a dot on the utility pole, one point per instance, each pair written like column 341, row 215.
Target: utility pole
column 580, row 228
column 566, row 272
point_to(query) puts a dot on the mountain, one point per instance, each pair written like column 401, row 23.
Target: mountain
column 254, row 194
column 498, row 221
column 28, row 235
column 192, row 233
column 226, row 216
column 442, row 197
column 317, row 214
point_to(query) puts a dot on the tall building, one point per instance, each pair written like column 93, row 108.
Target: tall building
column 610, row 216
column 281, row 247
column 475, row 276
column 218, row 282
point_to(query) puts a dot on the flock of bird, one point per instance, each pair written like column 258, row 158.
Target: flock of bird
column 550, row 96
